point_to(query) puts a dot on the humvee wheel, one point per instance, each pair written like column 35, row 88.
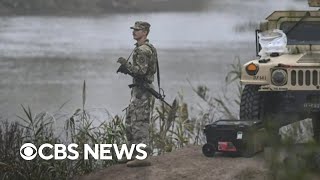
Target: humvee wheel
column 248, row 148
column 208, row 150
column 250, row 103
column 247, row 152
column 316, row 128
column 317, row 160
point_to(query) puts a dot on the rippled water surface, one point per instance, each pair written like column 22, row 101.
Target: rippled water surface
column 44, row 60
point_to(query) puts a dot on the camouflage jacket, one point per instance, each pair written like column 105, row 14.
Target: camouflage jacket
column 144, row 61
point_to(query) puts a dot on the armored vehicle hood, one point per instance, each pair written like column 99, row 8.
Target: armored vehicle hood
column 303, row 59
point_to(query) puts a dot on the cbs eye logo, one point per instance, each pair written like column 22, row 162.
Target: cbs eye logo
column 28, row 151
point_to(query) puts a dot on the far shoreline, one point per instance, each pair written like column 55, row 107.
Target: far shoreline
column 82, row 13
column 97, row 10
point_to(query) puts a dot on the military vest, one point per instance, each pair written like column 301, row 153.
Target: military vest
column 152, row 61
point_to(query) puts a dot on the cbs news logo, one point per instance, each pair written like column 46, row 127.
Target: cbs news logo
column 29, row 151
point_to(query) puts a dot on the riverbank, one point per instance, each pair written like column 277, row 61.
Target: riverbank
column 81, row 7
column 188, row 163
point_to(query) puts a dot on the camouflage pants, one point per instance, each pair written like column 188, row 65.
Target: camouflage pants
column 138, row 117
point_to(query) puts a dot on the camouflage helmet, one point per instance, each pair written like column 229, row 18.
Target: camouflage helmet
column 141, row 25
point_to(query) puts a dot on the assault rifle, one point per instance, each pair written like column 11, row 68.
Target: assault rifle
column 142, row 82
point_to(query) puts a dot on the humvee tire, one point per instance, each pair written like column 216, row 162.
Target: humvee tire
column 248, row 149
column 316, row 127
column 248, row 153
column 251, row 105
column 317, row 160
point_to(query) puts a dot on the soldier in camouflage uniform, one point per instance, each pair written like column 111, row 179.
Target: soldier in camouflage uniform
column 139, row 110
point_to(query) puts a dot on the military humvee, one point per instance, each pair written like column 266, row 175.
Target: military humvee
column 286, row 87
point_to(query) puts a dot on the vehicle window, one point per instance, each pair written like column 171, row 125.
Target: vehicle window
column 304, row 33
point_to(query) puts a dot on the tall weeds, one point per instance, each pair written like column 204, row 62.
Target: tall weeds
column 170, row 129
column 39, row 129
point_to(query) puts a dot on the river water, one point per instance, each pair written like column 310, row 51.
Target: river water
column 45, row 59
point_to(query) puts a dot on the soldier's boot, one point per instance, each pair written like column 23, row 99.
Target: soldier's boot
column 139, row 163
column 124, row 160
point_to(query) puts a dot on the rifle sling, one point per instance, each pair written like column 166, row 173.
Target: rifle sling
column 158, row 75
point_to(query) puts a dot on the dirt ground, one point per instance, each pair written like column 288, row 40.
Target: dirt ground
column 189, row 163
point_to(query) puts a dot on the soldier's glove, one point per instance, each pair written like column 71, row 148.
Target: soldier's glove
column 122, row 61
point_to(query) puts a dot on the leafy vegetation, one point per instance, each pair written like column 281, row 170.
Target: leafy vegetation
column 170, row 129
